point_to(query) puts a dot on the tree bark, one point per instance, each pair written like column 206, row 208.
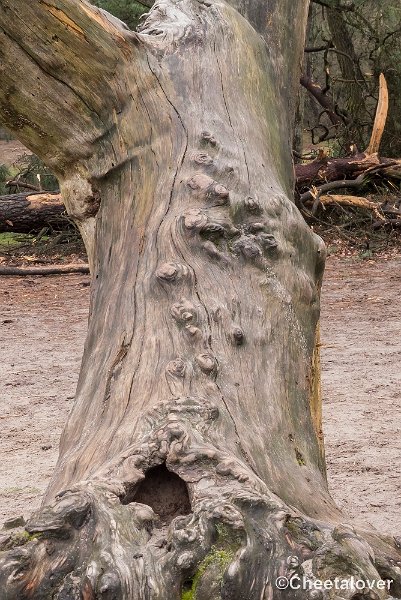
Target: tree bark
column 192, row 464
column 351, row 72
column 29, row 212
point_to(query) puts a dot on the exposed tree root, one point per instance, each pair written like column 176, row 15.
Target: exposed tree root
column 235, row 544
column 97, row 541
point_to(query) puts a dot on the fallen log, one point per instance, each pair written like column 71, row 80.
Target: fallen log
column 394, row 223
column 326, row 169
column 28, row 212
column 45, row 270
column 393, row 169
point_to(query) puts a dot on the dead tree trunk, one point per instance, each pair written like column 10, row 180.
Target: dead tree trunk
column 192, row 464
column 27, row 212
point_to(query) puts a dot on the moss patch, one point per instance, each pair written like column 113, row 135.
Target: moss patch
column 23, row 537
column 187, row 595
column 219, row 558
column 300, row 458
column 14, row 240
column 216, row 558
column 19, row 538
column 304, row 533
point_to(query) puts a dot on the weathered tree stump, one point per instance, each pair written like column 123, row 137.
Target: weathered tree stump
column 192, row 464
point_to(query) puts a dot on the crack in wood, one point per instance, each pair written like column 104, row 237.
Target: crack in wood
column 61, row 16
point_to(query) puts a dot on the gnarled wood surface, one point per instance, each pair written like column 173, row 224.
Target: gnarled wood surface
column 199, row 378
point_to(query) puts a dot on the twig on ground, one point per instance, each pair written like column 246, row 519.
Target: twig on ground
column 45, row 270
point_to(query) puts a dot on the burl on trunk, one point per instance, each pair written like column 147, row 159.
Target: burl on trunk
column 192, row 464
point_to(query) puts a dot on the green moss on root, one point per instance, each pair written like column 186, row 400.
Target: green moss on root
column 221, row 554
column 19, row 538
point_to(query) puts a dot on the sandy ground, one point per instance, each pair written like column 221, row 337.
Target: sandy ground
column 42, row 331
column 361, row 336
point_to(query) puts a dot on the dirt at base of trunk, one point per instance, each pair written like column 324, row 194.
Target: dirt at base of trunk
column 361, row 352
column 43, row 323
column 42, row 331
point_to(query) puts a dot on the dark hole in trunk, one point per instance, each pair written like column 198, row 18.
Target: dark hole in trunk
column 165, row 492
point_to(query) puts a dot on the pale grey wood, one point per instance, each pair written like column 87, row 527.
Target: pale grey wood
column 201, row 359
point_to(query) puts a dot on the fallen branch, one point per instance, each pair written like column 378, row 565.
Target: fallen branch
column 336, row 185
column 355, row 201
column 392, row 222
column 23, row 184
column 45, row 270
column 315, row 193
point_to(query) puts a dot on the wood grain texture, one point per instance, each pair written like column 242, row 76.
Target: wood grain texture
column 204, row 312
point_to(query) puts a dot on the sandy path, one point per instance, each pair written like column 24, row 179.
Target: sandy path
column 40, row 357
column 361, row 336
column 361, row 323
